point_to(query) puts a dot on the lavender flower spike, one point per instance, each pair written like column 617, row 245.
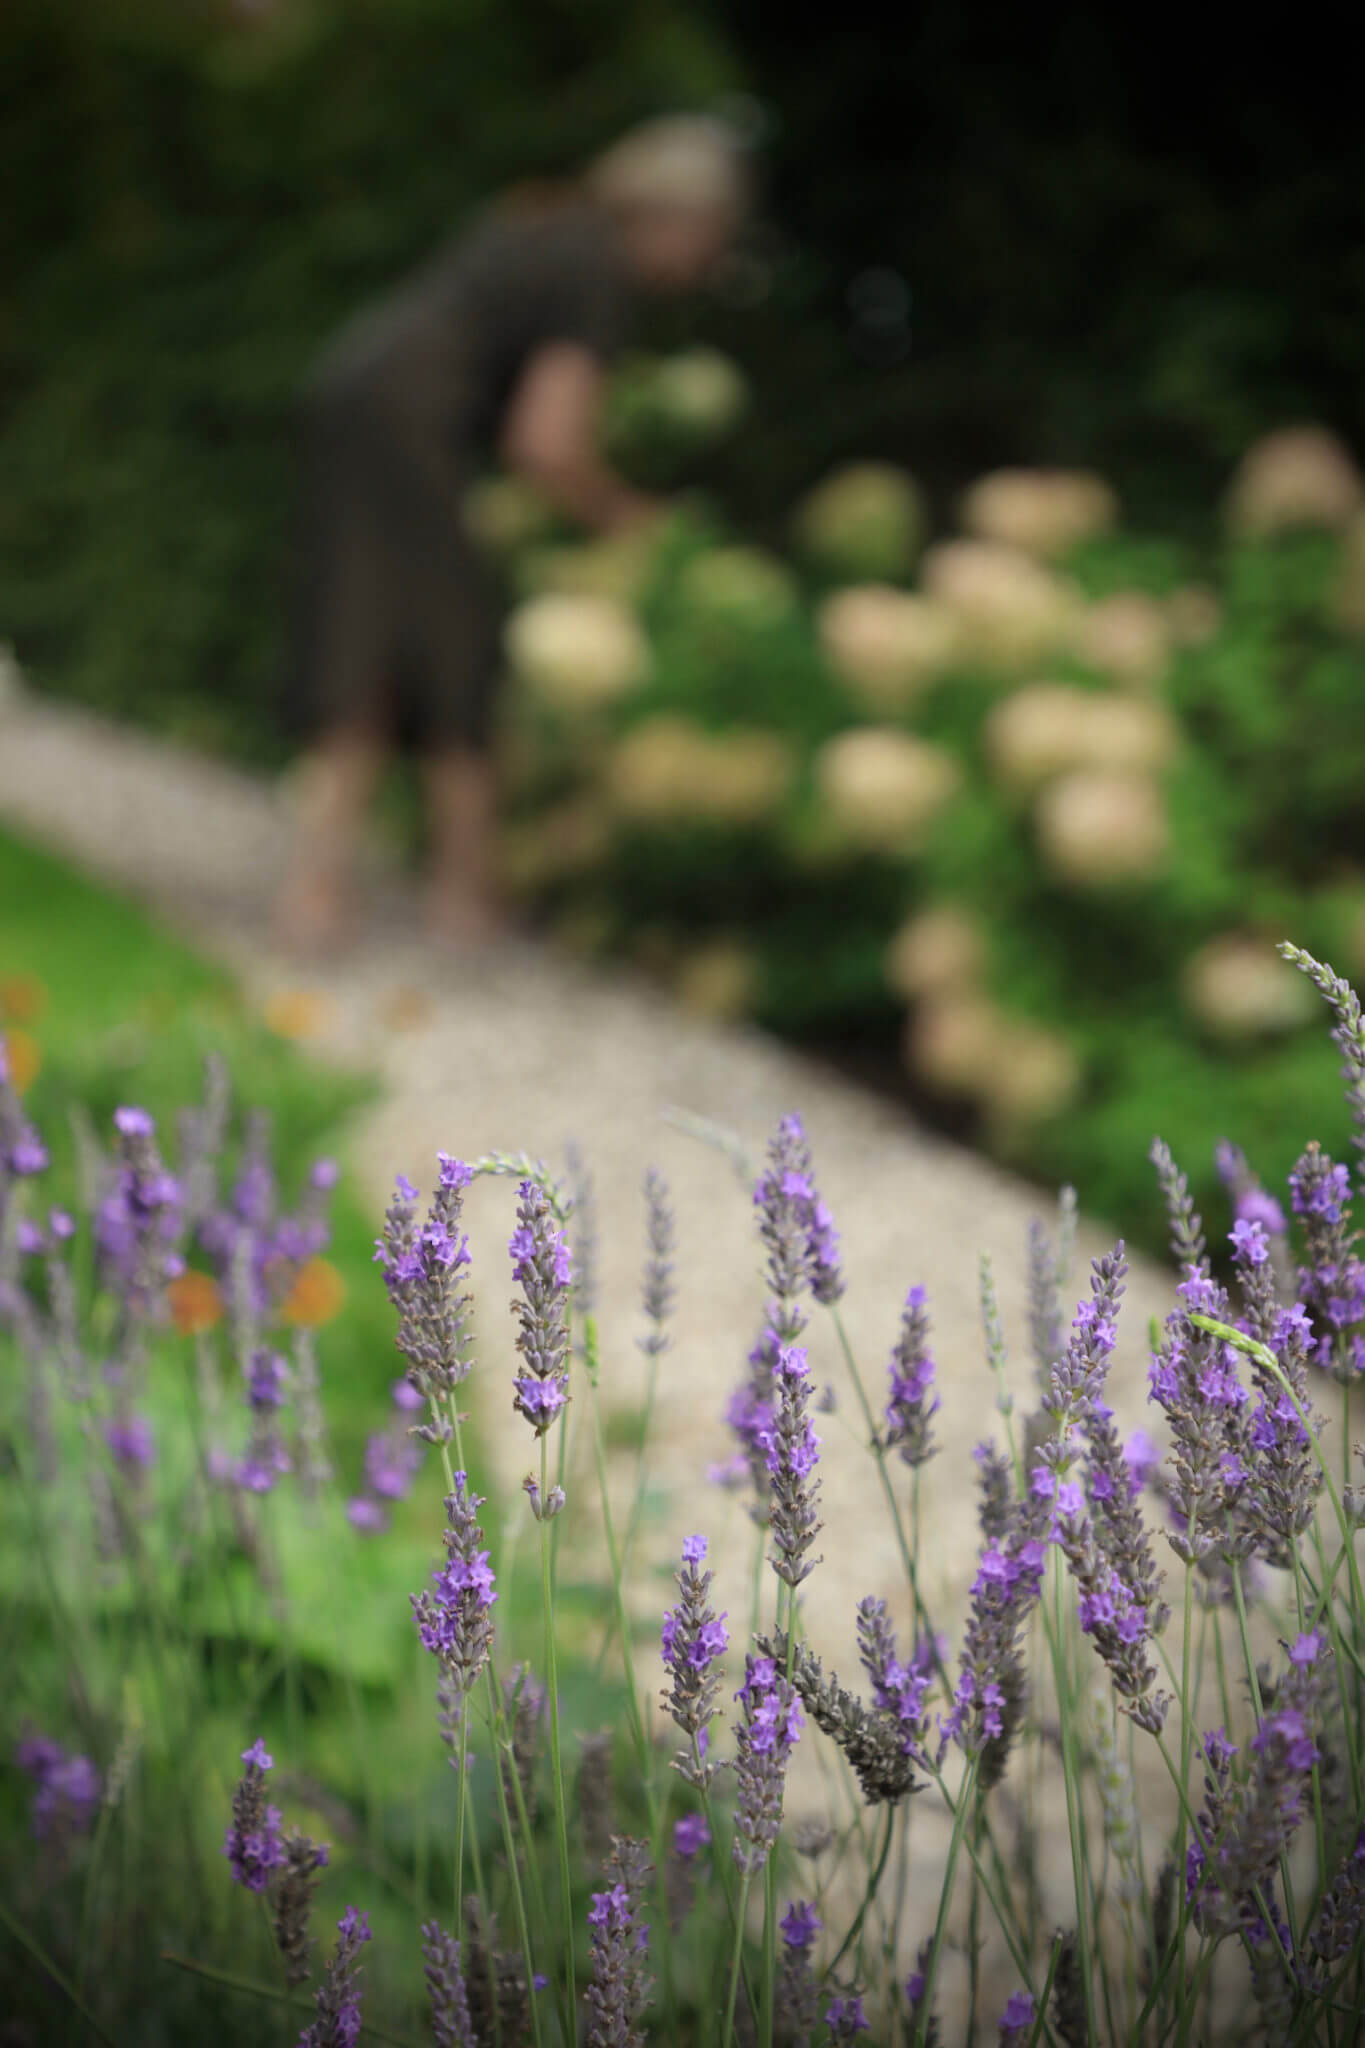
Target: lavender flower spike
column 1332, row 1279
column 451, row 2026
column 792, row 1450
column 456, row 1624
column 658, row 1291
column 293, row 1901
column 796, row 2003
column 541, row 1266
column 1016, row 2021
column 1348, row 1031
column 253, row 1845
column 797, row 1231
column 338, row 1997
column 423, row 1269
column 767, row 1734
column 619, row 1992
column 694, row 1639
column 913, row 1404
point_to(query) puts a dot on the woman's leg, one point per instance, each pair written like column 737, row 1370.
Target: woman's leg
column 462, row 892
column 337, row 781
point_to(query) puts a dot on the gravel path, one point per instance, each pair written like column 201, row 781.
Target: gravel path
column 523, row 1050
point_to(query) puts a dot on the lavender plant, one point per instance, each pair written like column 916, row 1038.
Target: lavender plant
column 1234, row 1907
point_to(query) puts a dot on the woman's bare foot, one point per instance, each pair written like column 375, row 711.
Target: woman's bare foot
column 312, row 916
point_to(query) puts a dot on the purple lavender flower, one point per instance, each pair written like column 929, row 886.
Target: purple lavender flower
column 253, row 1844
column 541, row 1267
column 898, row 1689
column 138, row 1222
column 791, row 1452
column 1337, row 1925
column 989, row 1699
column 917, row 1983
column 657, row 1290
column 1288, row 1479
column 132, row 1442
column 1079, row 1374
column 338, row 1996
column 423, row 1268
column 451, row 2026
column 1332, row 1279
column 845, row 2017
column 797, row 1232
column 690, row 1836
column 366, row 1515
column 619, row 1991
column 1016, row 2021
column 769, row 1729
column 800, row 1925
column 1193, row 1377
column 266, row 1456
column 1348, row 1031
column 694, row 1640
column 1248, row 1824
column 67, row 1789
column 913, row 1404
column 392, row 1459
column 406, row 1396
column 456, row 1624
column 796, row 2003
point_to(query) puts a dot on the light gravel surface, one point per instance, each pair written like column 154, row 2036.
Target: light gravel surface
column 520, row 1049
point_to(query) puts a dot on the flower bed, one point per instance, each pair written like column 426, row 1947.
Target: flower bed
column 662, row 1900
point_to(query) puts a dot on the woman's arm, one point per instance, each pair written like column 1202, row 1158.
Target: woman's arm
column 549, row 435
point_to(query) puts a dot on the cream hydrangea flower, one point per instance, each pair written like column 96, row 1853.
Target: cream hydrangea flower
column 616, row 566
column 1010, row 611
column 1127, row 637
column 1238, row 986
column 886, row 644
column 953, row 1040
column 863, row 523
column 1046, row 729
column 1298, row 476
column 1042, row 511
column 881, row 788
column 702, row 390
column 1097, row 826
column 936, row 950
column 670, row 770
column 576, row 652
column 1037, row 1072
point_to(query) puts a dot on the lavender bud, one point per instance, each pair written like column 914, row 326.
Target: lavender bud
column 769, row 1729
column 619, row 1992
column 293, row 1901
column 1016, row 2021
column 451, row 2026
column 658, row 1290
column 541, row 1265
column 913, row 1404
column 845, row 2016
column 792, row 1450
column 695, row 1638
column 338, row 1996
column 546, row 1510
column 456, row 1624
column 253, row 1844
column 584, row 1240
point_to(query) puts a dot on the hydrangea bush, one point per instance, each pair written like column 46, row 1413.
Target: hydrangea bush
column 1117, row 1584
column 1008, row 795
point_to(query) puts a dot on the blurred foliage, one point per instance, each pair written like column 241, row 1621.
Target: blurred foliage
column 195, row 199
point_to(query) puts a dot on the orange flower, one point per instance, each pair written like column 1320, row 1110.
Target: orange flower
column 22, row 998
column 196, row 1303
column 25, row 1059
column 297, row 1013
column 317, row 1295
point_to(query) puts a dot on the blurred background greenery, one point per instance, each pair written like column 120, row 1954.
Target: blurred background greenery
column 1021, row 244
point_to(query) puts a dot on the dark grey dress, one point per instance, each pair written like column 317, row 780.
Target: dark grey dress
column 399, row 618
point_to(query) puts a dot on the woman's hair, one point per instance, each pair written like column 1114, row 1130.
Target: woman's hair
column 677, row 163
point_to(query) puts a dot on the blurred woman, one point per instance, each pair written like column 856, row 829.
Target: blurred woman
column 496, row 351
